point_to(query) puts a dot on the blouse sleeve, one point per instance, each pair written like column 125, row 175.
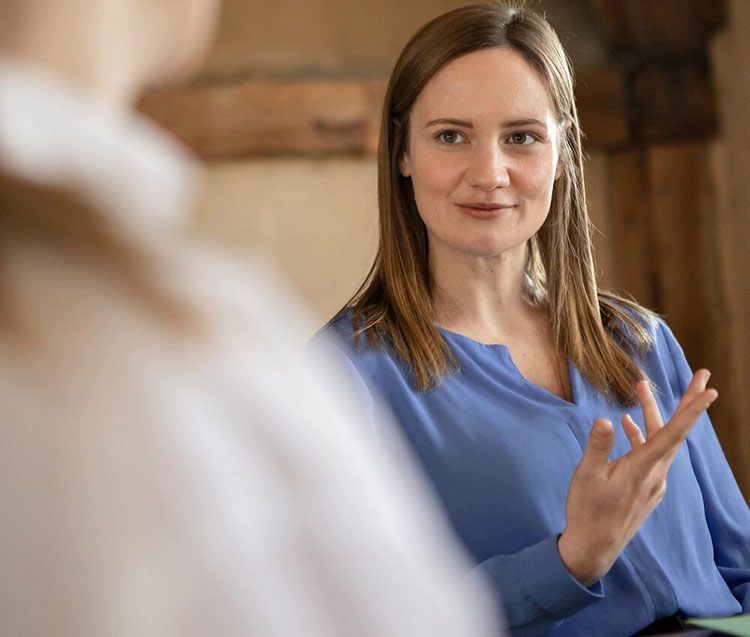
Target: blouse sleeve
column 538, row 592
column 727, row 512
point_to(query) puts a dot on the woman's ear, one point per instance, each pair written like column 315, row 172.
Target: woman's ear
column 404, row 165
column 559, row 169
column 564, row 128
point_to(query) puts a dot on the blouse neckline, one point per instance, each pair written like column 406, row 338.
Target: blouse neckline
column 504, row 354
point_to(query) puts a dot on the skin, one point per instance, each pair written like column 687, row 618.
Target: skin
column 483, row 132
column 110, row 49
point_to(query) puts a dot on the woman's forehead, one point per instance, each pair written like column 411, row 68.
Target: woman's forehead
column 497, row 83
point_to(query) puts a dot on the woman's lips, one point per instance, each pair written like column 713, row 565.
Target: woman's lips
column 483, row 210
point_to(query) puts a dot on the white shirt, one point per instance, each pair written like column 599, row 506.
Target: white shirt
column 156, row 485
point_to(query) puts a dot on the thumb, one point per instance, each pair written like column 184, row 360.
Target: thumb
column 600, row 443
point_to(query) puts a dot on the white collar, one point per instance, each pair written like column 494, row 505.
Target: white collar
column 123, row 165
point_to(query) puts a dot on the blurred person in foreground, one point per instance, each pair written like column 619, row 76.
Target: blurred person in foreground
column 168, row 463
column 482, row 326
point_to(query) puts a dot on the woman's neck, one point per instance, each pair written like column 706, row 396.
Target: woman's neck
column 483, row 298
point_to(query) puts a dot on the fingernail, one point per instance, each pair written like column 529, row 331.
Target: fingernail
column 706, row 376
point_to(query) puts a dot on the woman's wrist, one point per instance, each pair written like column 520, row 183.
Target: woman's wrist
column 578, row 560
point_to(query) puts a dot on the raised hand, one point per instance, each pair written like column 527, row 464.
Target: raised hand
column 608, row 501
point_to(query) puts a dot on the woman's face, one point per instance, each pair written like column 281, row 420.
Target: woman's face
column 483, row 153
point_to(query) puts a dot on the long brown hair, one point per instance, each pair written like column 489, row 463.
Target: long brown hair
column 600, row 331
column 59, row 219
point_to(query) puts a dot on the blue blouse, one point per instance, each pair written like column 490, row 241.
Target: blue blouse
column 501, row 451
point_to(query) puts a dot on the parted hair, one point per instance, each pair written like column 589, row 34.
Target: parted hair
column 600, row 331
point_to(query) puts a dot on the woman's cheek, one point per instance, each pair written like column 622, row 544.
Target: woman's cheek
column 449, row 175
column 537, row 177
column 438, row 168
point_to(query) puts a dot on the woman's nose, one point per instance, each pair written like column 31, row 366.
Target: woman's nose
column 488, row 169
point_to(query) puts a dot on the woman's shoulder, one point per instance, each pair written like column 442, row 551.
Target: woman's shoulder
column 658, row 350
column 343, row 334
column 340, row 328
column 634, row 325
column 343, row 331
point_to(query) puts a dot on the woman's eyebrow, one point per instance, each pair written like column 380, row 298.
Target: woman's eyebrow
column 529, row 121
column 452, row 121
column 449, row 120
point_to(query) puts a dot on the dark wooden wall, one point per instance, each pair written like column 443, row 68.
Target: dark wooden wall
column 664, row 204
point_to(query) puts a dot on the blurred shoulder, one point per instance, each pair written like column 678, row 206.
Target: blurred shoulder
column 243, row 293
column 74, row 312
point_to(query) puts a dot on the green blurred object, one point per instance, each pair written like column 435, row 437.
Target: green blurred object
column 738, row 625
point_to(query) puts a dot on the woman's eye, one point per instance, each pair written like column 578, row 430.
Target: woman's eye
column 450, row 137
column 522, row 139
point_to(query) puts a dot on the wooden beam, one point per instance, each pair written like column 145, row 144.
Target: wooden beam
column 266, row 118
column 254, row 118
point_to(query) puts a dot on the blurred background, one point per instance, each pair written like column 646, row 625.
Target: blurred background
column 285, row 113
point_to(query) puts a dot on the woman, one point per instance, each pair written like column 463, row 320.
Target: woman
column 155, row 478
column 481, row 325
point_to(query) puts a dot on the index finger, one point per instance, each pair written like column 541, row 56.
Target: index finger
column 664, row 444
